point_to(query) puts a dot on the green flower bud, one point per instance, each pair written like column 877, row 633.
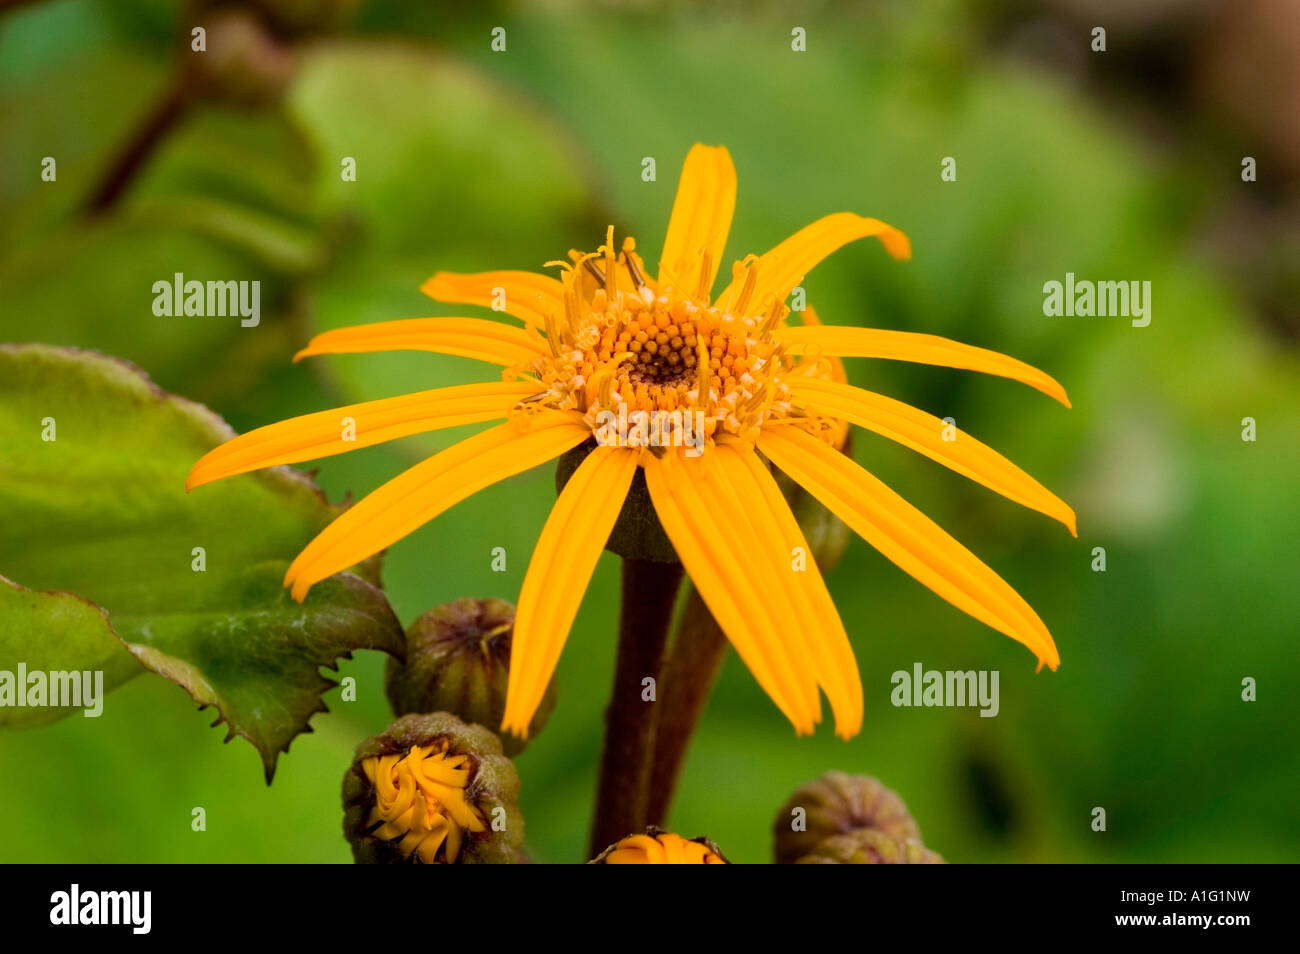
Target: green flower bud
column 458, row 661
column 867, row 846
column 836, row 804
column 432, row 789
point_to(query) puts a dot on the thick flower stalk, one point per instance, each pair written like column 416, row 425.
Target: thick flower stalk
column 702, row 393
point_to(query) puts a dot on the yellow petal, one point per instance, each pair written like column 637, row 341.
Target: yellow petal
column 525, row 295
column 454, row 838
column 421, row 493
column 694, row 853
column 636, row 850
column 373, row 422
column 837, row 373
column 909, row 346
column 812, row 622
column 455, row 805
column 673, row 853
column 558, row 574
column 468, row 337
column 786, row 265
column 906, row 536
column 925, row 433
column 812, row 320
column 716, row 553
column 700, row 220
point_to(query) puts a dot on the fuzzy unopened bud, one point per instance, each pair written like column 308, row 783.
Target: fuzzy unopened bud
column 866, row 846
column 458, row 661
column 836, row 804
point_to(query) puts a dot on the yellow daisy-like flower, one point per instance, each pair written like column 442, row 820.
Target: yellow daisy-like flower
column 722, row 379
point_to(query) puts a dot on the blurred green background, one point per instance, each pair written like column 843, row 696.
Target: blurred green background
column 1122, row 165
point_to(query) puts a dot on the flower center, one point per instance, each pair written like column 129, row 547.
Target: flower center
column 662, row 348
column 624, row 347
column 420, row 798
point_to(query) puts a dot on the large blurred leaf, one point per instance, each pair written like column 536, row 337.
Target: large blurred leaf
column 91, row 286
column 225, row 195
column 443, row 155
column 47, row 113
column 101, row 511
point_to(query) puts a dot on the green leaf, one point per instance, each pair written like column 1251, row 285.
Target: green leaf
column 44, row 287
column 60, row 632
column 444, row 155
column 266, row 239
column 100, row 510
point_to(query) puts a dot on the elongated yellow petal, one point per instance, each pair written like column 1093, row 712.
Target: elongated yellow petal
column 925, row 433
column 558, row 574
column 700, row 220
column 468, row 337
column 782, row 566
column 421, row 493
column 837, row 372
column 785, row 266
column 906, row 536
column 342, row 429
column 845, row 342
column 812, row 320
column 739, row 507
column 716, row 554
column 525, row 295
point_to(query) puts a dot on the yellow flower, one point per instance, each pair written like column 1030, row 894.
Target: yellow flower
column 657, row 847
column 432, row 789
column 420, row 798
column 608, row 339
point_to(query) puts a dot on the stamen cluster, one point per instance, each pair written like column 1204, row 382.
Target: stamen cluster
column 622, row 346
